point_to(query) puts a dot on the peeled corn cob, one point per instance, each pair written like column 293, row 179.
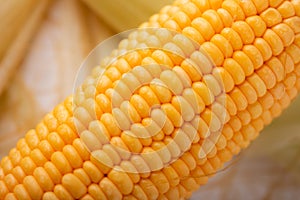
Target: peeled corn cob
column 254, row 51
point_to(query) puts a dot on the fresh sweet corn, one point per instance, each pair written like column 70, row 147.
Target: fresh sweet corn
column 201, row 117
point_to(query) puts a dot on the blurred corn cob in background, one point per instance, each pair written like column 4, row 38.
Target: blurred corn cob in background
column 19, row 21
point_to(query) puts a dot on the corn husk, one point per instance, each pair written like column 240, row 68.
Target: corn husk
column 122, row 15
column 19, row 21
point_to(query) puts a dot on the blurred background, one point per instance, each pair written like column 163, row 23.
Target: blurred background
column 43, row 43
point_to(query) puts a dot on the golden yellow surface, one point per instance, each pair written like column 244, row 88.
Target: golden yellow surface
column 269, row 169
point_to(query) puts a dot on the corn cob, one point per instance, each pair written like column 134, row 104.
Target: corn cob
column 255, row 47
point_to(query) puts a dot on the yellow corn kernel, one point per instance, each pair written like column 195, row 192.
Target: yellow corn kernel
column 233, row 37
column 20, row 192
column 235, row 70
column 286, row 9
column 268, row 77
column 249, row 92
column 199, row 60
column 32, row 187
column 204, row 27
column 234, row 9
column 225, row 16
column 274, row 41
column 223, row 45
column 96, row 192
column 213, row 53
column 245, row 31
column 285, row 33
column 152, row 159
column 271, row 16
column 10, row 182
column 213, row 18
column 264, row 48
column 62, row 193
